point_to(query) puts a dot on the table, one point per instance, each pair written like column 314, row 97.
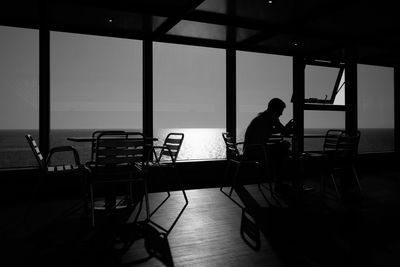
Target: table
column 297, row 181
column 321, row 135
column 92, row 139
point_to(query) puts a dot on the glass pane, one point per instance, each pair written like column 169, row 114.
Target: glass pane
column 19, row 95
column 320, row 82
column 318, row 122
column 261, row 77
column 376, row 108
column 96, row 83
column 340, row 95
column 189, row 97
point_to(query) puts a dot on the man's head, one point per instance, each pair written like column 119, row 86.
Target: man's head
column 276, row 106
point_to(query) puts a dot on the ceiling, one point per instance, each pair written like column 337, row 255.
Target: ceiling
column 315, row 29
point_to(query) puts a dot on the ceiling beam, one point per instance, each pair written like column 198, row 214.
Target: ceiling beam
column 293, row 27
column 172, row 21
column 194, row 41
column 227, row 20
column 98, row 32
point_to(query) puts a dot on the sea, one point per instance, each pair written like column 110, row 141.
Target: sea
column 198, row 144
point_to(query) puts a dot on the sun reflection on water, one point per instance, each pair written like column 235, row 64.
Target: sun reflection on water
column 198, row 143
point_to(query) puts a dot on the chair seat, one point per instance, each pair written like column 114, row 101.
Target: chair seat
column 160, row 164
column 329, row 157
column 121, row 167
column 63, row 168
column 104, row 174
column 314, row 155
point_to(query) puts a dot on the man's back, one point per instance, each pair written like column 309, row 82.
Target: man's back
column 260, row 129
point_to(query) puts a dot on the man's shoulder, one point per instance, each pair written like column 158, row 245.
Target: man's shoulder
column 263, row 117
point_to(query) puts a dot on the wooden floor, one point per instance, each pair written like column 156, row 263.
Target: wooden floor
column 291, row 230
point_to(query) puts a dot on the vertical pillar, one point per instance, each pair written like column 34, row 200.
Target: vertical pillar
column 298, row 104
column 397, row 109
column 44, row 80
column 298, row 116
column 351, row 90
column 231, row 73
column 148, row 87
column 231, row 91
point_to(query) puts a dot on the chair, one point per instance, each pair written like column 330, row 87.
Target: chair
column 163, row 158
column 94, row 138
column 235, row 156
column 50, row 171
column 118, row 158
column 339, row 153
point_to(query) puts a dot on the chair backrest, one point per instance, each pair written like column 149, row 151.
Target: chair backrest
column 341, row 146
column 331, row 140
column 95, row 134
column 172, row 144
column 116, row 148
column 232, row 151
column 36, row 151
column 347, row 146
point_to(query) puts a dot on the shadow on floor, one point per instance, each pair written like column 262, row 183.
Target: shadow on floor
column 71, row 241
column 312, row 231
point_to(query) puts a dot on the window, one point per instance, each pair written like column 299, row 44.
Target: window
column 324, row 85
column 189, row 97
column 19, row 95
column 261, row 77
column 376, row 108
column 319, row 122
column 96, row 83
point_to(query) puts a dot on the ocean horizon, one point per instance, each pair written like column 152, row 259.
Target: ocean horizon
column 198, row 144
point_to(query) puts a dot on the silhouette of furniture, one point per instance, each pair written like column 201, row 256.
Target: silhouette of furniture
column 235, row 152
column 163, row 159
column 339, row 153
column 118, row 159
column 94, row 138
column 50, row 171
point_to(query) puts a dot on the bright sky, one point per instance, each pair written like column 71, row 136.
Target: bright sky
column 96, row 82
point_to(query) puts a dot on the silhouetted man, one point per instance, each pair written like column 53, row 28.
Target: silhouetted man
column 260, row 131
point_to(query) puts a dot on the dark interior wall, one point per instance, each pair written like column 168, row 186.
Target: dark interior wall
column 17, row 185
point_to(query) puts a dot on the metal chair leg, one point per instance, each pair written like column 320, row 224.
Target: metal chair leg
column 226, row 175
column 92, row 204
column 182, row 185
column 356, row 177
column 322, row 184
column 334, row 183
column 146, row 196
column 162, row 203
column 167, row 231
column 235, row 178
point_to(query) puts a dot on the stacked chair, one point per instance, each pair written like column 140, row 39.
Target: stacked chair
column 119, row 159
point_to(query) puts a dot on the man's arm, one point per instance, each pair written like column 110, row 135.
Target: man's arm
column 278, row 127
column 289, row 127
column 283, row 129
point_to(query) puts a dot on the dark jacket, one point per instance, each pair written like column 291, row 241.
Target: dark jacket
column 262, row 127
column 259, row 132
